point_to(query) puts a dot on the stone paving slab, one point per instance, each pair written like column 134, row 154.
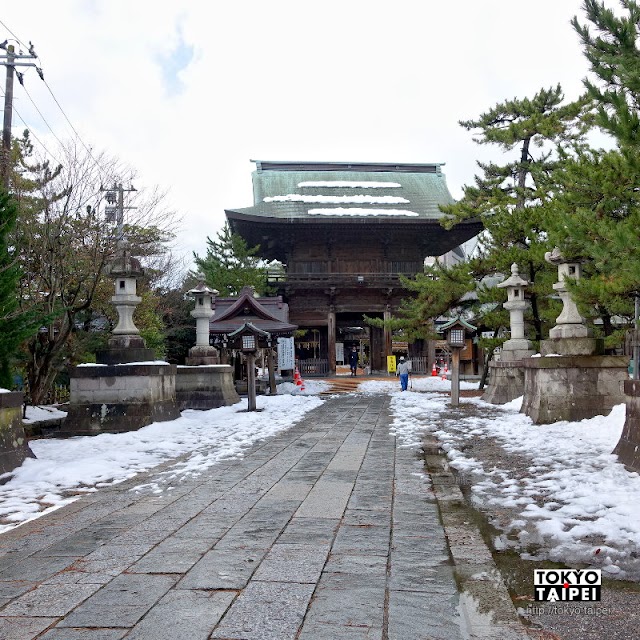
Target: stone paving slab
column 325, row 531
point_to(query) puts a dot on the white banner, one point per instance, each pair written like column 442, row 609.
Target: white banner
column 286, row 354
column 340, row 352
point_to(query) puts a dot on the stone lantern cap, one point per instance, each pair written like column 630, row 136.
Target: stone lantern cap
column 202, row 289
column 124, row 264
column 514, row 280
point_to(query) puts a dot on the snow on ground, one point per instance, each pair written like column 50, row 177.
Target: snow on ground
column 424, row 383
column 64, row 469
column 566, row 497
column 311, row 387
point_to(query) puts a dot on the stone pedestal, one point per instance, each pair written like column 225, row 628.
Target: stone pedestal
column 13, row 443
column 628, row 447
column 205, row 387
column 120, row 397
column 125, row 349
column 506, row 382
column 202, row 355
column 572, row 387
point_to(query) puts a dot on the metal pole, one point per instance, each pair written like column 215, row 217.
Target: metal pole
column 455, row 377
column 120, row 213
column 6, row 126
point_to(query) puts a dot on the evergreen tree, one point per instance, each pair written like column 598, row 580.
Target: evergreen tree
column 511, row 198
column 14, row 325
column 596, row 211
column 614, row 57
column 230, row 265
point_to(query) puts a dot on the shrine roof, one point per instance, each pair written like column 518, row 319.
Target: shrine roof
column 233, row 313
column 321, row 192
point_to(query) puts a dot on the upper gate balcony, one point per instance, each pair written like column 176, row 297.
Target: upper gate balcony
column 352, row 273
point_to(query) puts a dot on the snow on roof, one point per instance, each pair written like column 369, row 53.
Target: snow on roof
column 359, row 211
column 323, row 199
column 349, row 184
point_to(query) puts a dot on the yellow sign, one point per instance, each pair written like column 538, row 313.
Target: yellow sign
column 391, row 364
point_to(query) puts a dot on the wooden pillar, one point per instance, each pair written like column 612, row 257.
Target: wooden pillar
column 431, row 355
column 331, row 340
column 251, row 381
column 455, row 377
column 387, row 334
column 272, row 372
column 375, row 347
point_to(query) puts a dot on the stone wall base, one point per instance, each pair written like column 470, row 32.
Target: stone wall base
column 205, row 387
column 572, row 387
column 14, row 449
column 506, row 382
column 628, row 447
column 118, row 398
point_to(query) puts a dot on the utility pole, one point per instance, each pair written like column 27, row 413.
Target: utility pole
column 114, row 212
column 11, row 60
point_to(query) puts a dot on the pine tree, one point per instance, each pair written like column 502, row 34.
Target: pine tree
column 14, row 325
column 511, row 198
column 614, row 57
column 596, row 211
column 230, row 265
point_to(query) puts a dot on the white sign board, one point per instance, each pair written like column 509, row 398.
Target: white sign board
column 286, row 354
column 339, row 351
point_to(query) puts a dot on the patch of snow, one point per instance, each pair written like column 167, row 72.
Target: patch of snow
column 358, row 211
column 64, row 469
column 349, row 184
column 39, row 413
column 359, row 199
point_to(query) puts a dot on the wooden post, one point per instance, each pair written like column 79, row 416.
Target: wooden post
column 272, row 373
column 387, row 334
column 455, row 377
column 331, row 340
column 251, row 381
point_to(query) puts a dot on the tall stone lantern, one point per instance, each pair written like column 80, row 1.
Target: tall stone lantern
column 506, row 376
column 517, row 347
column 202, row 352
column 570, row 324
column 573, row 379
column 126, row 344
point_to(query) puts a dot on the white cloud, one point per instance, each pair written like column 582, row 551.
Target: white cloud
column 359, row 81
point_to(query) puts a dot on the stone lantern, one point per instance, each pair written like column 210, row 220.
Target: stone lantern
column 126, row 344
column 202, row 352
column 573, row 379
column 517, row 347
column 570, row 324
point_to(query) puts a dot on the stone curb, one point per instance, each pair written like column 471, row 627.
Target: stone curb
column 485, row 605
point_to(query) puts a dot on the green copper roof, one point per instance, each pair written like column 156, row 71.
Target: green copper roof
column 321, row 191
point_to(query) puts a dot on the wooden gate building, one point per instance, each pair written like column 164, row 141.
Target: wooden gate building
column 345, row 232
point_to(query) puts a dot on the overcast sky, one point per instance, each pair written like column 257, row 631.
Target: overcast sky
column 189, row 92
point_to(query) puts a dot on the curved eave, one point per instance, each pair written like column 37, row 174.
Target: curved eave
column 265, row 230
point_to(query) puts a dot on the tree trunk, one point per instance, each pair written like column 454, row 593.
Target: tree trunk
column 485, row 367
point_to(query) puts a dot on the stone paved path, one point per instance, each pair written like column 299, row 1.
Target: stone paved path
column 326, row 531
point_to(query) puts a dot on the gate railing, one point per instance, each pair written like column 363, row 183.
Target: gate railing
column 313, row 367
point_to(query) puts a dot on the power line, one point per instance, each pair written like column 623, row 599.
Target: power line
column 74, row 129
column 88, row 149
column 43, row 118
column 14, row 35
column 35, row 137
